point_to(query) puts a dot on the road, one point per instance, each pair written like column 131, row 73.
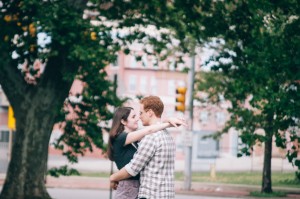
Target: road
column 58, row 193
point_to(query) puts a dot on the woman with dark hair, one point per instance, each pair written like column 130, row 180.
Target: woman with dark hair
column 122, row 145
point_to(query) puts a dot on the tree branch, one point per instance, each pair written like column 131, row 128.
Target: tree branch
column 11, row 79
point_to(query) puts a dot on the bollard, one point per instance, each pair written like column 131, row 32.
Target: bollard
column 212, row 171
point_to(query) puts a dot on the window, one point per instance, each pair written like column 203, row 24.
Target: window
column 133, row 62
column 4, row 136
column 153, row 86
column 234, row 139
column 132, row 83
column 220, row 118
column 143, row 84
column 171, row 87
column 206, row 148
column 204, row 117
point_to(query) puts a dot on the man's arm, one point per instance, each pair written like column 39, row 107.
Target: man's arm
column 116, row 177
column 144, row 154
column 120, row 175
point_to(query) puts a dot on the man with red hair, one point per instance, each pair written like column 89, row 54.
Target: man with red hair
column 155, row 157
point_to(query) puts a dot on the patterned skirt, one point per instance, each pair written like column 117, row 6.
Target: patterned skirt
column 127, row 189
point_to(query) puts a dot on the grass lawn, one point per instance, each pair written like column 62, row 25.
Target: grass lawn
column 280, row 179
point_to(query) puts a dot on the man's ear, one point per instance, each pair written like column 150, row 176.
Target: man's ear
column 150, row 112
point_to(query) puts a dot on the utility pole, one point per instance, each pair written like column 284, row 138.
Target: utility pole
column 188, row 155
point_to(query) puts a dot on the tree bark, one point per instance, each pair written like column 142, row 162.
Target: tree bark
column 35, row 117
column 266, row 177
column 25, row 176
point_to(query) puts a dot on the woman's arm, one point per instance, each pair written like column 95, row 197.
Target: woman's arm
column 139, row 134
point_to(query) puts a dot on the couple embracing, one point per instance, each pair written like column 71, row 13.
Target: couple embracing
column 145, row 157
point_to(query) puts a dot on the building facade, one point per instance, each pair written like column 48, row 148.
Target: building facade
column 147, row 75
column 153, row 77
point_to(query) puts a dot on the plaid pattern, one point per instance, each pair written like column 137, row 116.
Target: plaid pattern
column 154, row 160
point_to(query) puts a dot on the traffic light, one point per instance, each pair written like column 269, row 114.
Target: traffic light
column 180, row 98
column 11, row 119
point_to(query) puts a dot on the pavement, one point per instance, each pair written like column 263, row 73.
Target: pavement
column 197, row 188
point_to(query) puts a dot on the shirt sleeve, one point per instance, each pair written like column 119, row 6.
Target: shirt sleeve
column 120, row 139
column 143, row 155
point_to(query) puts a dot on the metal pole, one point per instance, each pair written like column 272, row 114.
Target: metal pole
column 112, row 163
column 188, row 156
column 111, row 172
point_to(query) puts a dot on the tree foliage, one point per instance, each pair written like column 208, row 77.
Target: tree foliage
column 257, row 63
column 57, row 34
column 69, row 46
column 76, row 39
column 72, row 39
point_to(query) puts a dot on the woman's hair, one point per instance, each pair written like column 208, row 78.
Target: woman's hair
column 117, row 127
column 154, row 103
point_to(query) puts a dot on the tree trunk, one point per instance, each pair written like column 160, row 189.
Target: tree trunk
column 35, row 117
column 266, row 177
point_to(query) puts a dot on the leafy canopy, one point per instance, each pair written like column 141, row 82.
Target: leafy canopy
column 256, row 68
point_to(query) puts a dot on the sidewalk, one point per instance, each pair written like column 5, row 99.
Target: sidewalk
column 103, row 183
column 198, row 188
column 203, row 189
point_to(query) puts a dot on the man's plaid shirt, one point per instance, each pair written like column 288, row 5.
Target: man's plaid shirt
column 154, row 160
